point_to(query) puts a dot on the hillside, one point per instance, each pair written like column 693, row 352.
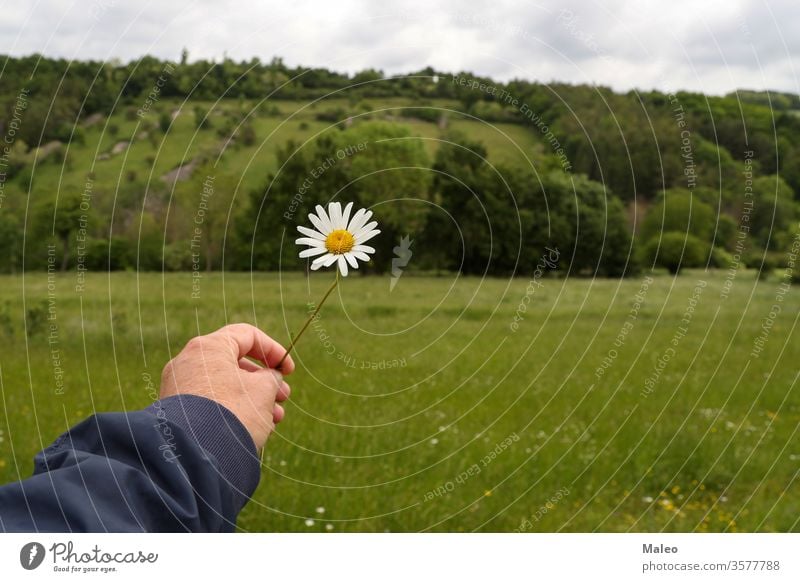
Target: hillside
column 109, row 163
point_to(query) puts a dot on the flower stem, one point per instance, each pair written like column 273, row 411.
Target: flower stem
column 309, row 320
column 293, row 342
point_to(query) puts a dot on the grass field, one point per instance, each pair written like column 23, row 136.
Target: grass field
column 425, row 409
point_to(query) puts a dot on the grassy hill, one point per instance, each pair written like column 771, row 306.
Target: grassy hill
column 153, row 153
column 140, row 173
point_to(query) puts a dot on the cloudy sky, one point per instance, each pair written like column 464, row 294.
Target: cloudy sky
column 707, row 45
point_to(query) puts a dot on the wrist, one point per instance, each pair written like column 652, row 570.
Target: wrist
column 220, row 434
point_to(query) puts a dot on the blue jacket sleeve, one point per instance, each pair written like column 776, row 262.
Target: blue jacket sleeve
column 185, row 463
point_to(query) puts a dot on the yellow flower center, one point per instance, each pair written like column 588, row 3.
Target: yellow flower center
column 339, row 242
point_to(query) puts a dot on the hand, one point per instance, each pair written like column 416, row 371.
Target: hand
column 214, row 366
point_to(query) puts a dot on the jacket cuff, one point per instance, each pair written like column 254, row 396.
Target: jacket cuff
column 220, row 434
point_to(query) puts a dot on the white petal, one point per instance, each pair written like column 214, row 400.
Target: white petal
column 355, row 226
column 312, row 252
column 310, row 232
column 318, row 224
column 362, row 238
column 343, row 265
column 360, row 256
column 312, row 242
column 364, row 235
column 330, row 260
column 363, row 249
column 335, row 214
column 325, row 226
column 317, row 263
column 356, row 217
column 365, row 229
column 346, row 214
column 351, row 259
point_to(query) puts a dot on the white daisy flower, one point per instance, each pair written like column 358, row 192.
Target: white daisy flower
column 338, row 238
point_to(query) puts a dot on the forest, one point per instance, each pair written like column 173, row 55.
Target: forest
column 195, row 165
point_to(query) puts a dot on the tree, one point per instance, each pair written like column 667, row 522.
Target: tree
column 201, row 117
column 61, row 223
column 164, row 121
column 470, row 222
column 371, row 164
column 9, row 241
column 210, row 212
column 598, row 241
column 388, row 171
column 679, row 211
column 774, row 211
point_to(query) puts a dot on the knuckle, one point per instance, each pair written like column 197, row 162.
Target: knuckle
column 233, row 328
column 195, row 344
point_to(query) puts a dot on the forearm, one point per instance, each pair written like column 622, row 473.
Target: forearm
column 184, row 464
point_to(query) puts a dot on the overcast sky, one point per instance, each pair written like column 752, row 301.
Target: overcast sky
column 706, row 45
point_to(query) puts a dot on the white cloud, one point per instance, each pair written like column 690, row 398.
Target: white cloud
column 715, row 45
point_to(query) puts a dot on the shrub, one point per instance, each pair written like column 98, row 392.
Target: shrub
column 332, row 115
column 164, row 121
column 423, row 113
column 720, row 258
column 677, row 250
column 248, row 135
column 101, row 258
column 36, row 319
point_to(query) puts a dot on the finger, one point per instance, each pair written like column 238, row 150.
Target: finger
column 284, row 393
column 278, row 413
column 267, row 381
column 249, row 365
column 248, row 340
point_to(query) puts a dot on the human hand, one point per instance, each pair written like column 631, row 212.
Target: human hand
column 215, row 366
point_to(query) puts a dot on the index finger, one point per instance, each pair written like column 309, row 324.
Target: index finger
column 248, row 340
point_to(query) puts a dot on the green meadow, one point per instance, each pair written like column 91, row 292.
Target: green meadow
column 452, row 403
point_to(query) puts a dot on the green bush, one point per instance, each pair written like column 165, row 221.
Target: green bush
column 101, row 258
column 164, row 121
column 177, row 257
column 422, row 113
column 248, row 135
column 336, row 115
column 676, row 250
column 6, row 321
column 679, row 211
column 720, row 258
column 202, row 119
column 36, row 319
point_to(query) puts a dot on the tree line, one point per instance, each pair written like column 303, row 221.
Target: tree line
column 621, row 182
